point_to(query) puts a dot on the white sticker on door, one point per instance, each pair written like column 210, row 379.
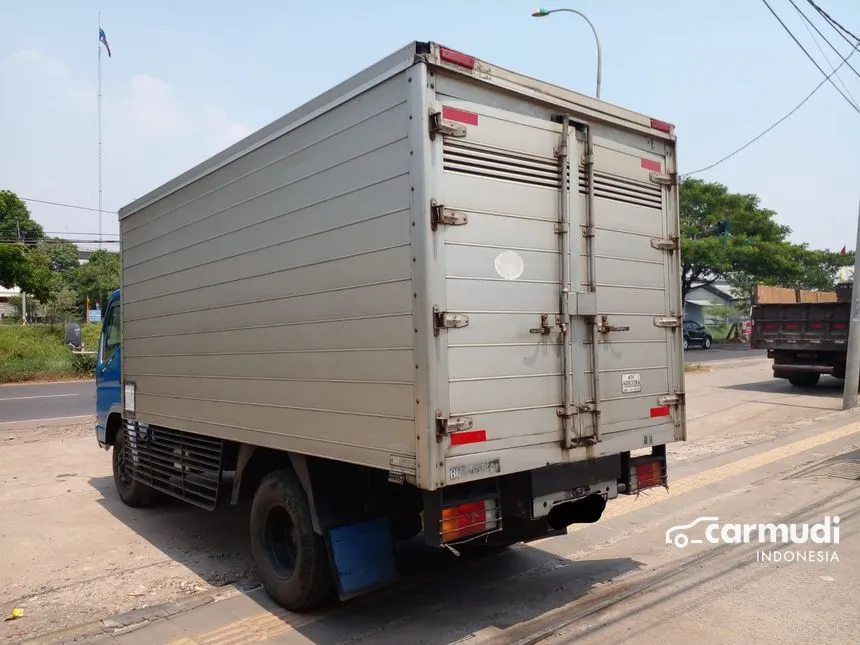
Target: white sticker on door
column 509, row 265
column 631, row 383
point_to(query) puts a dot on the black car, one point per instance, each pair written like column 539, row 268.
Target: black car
column 696, row 334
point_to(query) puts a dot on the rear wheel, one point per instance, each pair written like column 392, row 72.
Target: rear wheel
column 132, row 492
column 291, row 559
column 686, row 344
column 804, row 380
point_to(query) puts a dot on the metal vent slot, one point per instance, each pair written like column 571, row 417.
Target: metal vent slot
column 181, row 464
column 495, row 163
column 621, row 189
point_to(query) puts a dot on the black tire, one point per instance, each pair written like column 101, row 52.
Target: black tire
column 132, row 492
column 292, row 561
column 686, row 344
column 805, row 380
column 706, row 344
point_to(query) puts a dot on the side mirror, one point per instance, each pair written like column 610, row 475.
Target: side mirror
column 73, row 338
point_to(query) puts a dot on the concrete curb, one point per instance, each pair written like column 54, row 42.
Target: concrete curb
column 729, row 362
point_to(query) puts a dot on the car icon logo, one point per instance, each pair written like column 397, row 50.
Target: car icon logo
column 675, row 534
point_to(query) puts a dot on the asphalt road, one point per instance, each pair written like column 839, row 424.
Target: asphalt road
column 722, row 352
column 30, row 402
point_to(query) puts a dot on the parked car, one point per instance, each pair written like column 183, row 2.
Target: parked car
column 696, row 334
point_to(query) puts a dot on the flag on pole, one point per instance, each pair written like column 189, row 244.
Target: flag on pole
column 844, row 251
column 103, row 40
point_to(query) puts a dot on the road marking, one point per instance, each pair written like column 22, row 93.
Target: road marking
column 264, row 625
column 80, row 416
column 40, row 396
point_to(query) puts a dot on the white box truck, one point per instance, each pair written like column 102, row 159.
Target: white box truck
column 441, row 299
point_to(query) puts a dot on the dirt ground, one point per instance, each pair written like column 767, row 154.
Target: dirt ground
column 72, row 553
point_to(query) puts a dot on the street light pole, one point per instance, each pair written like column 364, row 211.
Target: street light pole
column 540, row 13
column 852, row 360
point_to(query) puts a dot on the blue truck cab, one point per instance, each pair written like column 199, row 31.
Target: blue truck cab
column 109, row 374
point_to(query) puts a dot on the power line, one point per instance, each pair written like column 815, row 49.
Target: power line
column 808, row 23
column 776, row 123
column 833, row 22
column 809, row 56
column 64, row 205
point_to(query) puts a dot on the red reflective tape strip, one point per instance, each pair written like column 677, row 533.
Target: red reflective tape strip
column 649, row 164
column 660, row 411
column 468, row 436
column 453, row 114
column 662, row 126
column 451, row 56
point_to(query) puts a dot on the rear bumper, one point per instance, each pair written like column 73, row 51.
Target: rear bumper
column 783, row 371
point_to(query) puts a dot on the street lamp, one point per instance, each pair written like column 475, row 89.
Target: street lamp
column 540, row 13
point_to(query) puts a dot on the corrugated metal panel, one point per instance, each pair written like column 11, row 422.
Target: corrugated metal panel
column 271, row 301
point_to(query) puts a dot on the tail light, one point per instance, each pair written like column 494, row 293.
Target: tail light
column 470, row 518
column 647, row 471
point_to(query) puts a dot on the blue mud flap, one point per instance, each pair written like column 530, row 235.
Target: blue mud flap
column 362, row 557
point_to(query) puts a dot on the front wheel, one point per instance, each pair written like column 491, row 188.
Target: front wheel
column 706, row 343
column 805, row 380
column 291, row 559
column 132, row 492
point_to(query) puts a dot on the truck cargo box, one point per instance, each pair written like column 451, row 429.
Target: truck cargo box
column 438, row 268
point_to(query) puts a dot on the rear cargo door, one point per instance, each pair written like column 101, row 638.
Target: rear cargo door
column 518, row 381
column 635, row 274
column 501, row 197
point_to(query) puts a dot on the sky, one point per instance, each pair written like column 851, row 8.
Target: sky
column 187, row 79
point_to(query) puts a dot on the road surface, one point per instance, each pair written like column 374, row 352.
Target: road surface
column 75, row 559
column 722, row 352
column 47, row 400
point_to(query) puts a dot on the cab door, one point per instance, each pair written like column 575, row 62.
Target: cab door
column 108, row 367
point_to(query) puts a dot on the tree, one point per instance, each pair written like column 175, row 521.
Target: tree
column 17, row 230
column 64, row 305
column 15, row 221
column 98, row 277
column 730, row 236
column 63, row 255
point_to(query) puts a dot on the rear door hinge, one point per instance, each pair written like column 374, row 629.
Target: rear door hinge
column 670, row 179
column 439, row 126
column 445, row 426
column 447, row 320
column 441, row 215
column 668, row 322
column 666, row 244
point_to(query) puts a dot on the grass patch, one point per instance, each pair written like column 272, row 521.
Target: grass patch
column 36, row 353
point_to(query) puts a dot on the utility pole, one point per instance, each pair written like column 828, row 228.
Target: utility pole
column 23, row 295
column 852, row 361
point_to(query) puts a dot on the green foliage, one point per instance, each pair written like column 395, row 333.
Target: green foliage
column 36, row 352
column 97, row 278
column 64, row 306
column 729, row 235
column 62, row 255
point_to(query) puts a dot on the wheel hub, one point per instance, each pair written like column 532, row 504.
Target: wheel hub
column 279, row 542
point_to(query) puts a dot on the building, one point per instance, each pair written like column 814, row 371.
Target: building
column 6, row 295
column 701, row 301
